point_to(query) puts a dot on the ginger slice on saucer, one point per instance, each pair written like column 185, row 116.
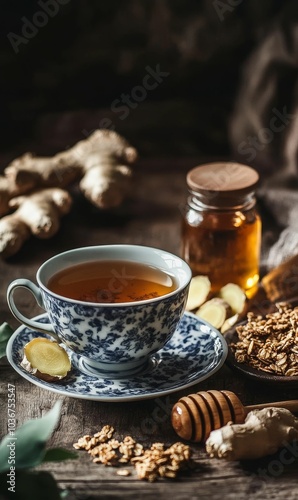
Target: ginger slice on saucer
column 46, row 359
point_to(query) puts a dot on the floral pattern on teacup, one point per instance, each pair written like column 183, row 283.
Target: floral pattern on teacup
column 120, row 333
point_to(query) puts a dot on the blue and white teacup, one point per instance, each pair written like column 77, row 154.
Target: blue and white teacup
column 112, row 339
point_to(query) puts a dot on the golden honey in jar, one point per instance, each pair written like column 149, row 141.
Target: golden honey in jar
column 221, row 229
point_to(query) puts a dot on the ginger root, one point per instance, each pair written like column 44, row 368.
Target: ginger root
column 37, row 213
column 263, row 433
column 8, row 190
column 99, row 163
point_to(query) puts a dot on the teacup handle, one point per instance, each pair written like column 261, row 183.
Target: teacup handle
column 31, row 323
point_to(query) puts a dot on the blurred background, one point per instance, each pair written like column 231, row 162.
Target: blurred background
column 178, row 78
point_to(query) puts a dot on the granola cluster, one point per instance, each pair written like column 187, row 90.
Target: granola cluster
column 270, row 343
column 150, row 464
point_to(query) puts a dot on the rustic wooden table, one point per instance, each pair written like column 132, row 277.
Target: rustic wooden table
column 151, row 217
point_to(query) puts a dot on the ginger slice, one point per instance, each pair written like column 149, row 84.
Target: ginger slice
column 215, row 311
column 199, row 290
column 46, row 360
column 234, row 296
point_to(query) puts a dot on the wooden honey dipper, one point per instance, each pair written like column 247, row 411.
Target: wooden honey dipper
column 196, row 415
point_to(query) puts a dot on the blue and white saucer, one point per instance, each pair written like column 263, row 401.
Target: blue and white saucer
column 194, row 353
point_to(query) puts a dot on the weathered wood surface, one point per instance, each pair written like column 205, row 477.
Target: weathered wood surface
column 152, row 217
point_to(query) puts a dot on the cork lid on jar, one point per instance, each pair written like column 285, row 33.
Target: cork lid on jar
column 224, row 182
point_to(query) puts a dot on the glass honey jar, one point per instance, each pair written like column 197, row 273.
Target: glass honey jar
column 221, row 228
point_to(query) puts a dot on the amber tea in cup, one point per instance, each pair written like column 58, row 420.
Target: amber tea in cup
column 112, row 282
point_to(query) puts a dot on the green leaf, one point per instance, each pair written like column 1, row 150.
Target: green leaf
column 58, row 454
column 64, row 493
column 5, row 333
column 26, row 445
column 29, row 485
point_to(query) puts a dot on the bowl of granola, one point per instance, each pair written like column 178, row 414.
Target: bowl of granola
column 265, row 348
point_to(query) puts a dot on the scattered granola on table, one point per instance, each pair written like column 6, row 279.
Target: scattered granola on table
column 150, row 464
column 270, row 343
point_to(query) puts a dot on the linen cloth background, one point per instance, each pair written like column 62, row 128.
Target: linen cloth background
column 264, row 132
